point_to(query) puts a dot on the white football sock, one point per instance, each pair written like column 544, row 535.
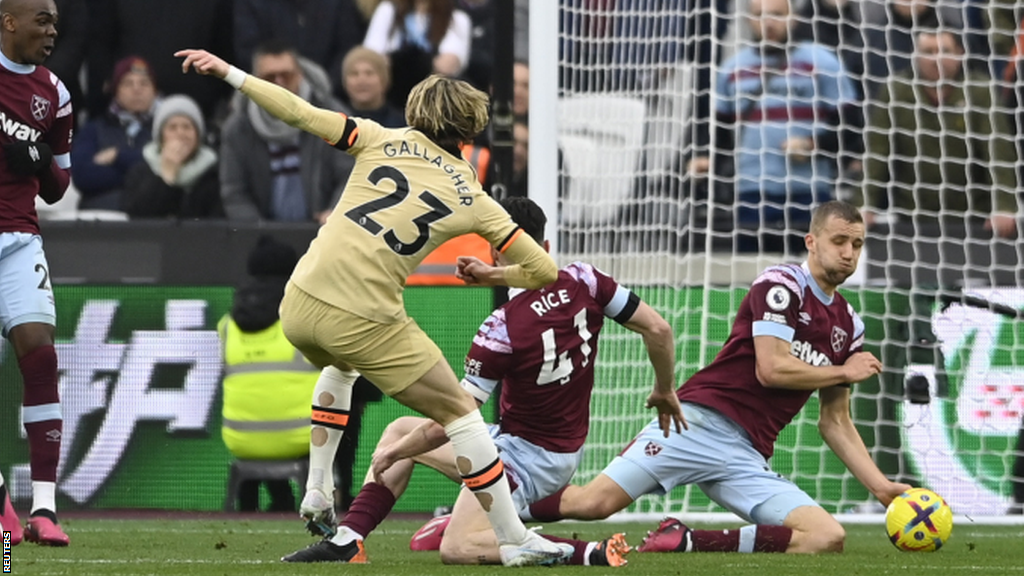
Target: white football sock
column 44, row 496
column 332, row 399
column 482, row 471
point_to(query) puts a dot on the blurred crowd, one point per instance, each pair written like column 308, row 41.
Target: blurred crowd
column 910, row 108
column 152, row 142
column 755, row 108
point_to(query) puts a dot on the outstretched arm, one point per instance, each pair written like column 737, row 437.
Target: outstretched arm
column 280, row 102
column 660, row 344
column 776, row 367
column 837, row 429
column 424, row 438
column 533, row 268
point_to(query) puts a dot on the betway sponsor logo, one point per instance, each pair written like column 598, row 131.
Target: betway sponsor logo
column 806, row 353
column 17, row 130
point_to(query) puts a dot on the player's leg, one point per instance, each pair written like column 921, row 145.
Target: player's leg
column 438, row 396
column 375, row 500
column 814, row 531
column 533, row 473
column 332, row 398
column 301, row 316
column 596, row 500
column 28, row 316
column 769, row 531
column 744, row 484
column 650, row 464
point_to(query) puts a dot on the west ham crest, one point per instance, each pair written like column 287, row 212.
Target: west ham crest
column 652, row 449
column 40, row 107
column 838, row 338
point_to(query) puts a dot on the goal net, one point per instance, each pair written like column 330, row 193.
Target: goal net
column 689, row 150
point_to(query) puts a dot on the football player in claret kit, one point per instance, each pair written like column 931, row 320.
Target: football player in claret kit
column 541, row 345
column 793, row 334
column 35, row 144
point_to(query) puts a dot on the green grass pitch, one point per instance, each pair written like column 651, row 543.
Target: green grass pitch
column 210, row 546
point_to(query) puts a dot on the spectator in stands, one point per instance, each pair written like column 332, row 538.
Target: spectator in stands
column 155, row 30
column 270, row 170
column 521, row 33
column 178, row 177
column 779, row 108
column 836, row 25
column 366, row 77
column 1013, row 92
column 320, row 30
column 889, row 34
column 520, row 157
column 107, row 147
column 481, row 58
column 521, row 89
column 73, row 37
column 936, row 154
column 420, row 37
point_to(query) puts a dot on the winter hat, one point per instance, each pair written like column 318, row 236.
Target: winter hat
column 126, row 65
column 177, row 105
column 271, row 257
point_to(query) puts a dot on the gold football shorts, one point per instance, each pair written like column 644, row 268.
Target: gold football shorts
column 392, row 356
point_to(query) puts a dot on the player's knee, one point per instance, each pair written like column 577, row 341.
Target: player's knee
column 398, row 428
column 583, row 507
column 455, row 551
column 827, row 538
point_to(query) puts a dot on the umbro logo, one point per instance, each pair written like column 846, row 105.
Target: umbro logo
column 53, row 435
column 805, row 318
column 652, row 449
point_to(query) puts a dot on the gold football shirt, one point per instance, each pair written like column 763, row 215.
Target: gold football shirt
column 405, row 196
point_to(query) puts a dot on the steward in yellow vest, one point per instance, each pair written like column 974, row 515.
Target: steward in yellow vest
column 268, row 385
column 267, row 391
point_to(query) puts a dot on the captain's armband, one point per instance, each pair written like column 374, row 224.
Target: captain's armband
column 349, row 135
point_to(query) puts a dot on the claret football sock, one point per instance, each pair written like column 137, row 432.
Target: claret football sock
column 545, row 509
column 370, row 507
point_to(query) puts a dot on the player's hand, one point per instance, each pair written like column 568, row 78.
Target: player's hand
column 890, row 491
column 1002, row 225
column 799, row 149
column 175, row 152
column 669, row 411
column 27, row 158
column 203, row 62
column 474, row 272
column 699, row 166
column 869, row 216
column 106, row 157
column 383, row 459
column 861, row 366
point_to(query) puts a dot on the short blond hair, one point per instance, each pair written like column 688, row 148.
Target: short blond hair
column 447, row 110
column 376, row 61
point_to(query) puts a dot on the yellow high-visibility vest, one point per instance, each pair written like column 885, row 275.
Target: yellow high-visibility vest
column 268, row 393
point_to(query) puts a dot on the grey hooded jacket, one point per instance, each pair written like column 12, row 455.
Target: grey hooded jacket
column 245, row 176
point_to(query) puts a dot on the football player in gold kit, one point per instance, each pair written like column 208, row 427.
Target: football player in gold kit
column 410, row 191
